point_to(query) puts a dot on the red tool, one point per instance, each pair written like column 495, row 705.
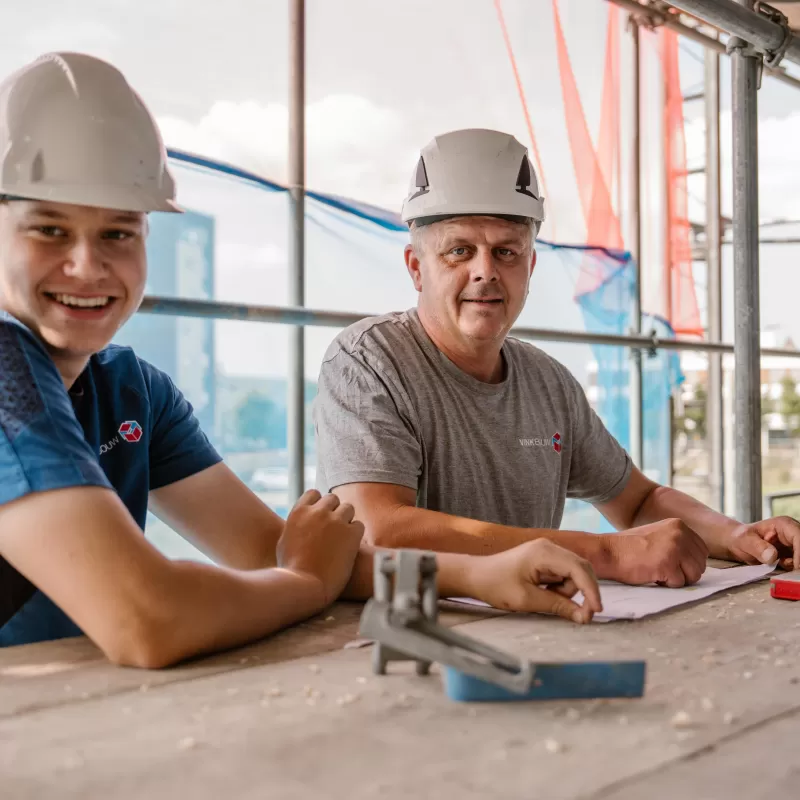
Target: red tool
column 786, row 586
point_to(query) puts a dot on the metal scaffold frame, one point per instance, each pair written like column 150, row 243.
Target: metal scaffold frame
column 758, row 41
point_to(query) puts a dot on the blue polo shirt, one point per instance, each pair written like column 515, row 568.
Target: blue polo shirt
column 123, row 425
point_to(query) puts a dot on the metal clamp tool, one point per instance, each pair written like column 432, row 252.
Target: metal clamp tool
column 402, row 619
column 402, row 616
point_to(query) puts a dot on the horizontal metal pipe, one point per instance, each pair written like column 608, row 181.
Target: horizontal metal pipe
column 284, row 315
column 739, row 20
column 672, row 22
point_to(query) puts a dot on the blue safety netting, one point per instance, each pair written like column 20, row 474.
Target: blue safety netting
column 233, row 246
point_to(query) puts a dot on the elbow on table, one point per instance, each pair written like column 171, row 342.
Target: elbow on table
column 143, row 643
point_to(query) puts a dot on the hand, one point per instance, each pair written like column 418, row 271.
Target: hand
column 667, row 552
column 767, row 541
column 321, row 539
column 537, row 576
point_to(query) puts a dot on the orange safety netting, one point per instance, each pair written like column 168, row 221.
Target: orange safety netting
column 681, row 298
column 597, row 169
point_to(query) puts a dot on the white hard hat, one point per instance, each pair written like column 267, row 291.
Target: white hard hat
column 473, row 172
column 72, row 130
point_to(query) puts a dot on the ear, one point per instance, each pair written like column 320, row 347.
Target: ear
column 533, row 261
column 414, row 267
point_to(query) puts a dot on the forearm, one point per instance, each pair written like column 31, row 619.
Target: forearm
column 453, row 575
column 205, row 609
column 667, row 503
column 421, row 529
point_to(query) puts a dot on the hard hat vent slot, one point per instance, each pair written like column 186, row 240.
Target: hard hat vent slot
column 37, row 168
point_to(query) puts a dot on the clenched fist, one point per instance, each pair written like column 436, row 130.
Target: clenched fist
column 666, row 552
column 321, row 539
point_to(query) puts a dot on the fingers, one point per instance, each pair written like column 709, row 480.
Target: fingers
column 567, row 588
column 760, row 551
column 308, row 498
column 582, row 575
column 330, row 502
column 544, row 601
column 345, row 512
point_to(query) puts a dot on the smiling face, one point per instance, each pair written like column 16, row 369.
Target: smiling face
column 72, row 274
column 473, row 275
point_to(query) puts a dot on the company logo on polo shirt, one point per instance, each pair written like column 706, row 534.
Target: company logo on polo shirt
column 130, row 431
column 554, row 441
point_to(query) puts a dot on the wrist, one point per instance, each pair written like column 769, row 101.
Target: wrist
column 311, row 590
column 604, row 556
column 458, row 575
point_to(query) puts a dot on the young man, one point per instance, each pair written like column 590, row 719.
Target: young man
column 91, row 435
column 445, row 434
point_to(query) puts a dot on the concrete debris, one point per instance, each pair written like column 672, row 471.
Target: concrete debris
column 315, row 668
column 747, row 675
column 346, row 699
column 681, row 720
column 729, row 718
column 553, row 746
column 232, row 692
column 362, row 680
column 707, row 704
column 145, row 687
column 573, row 715
column 188, row 743
column 329, row 619
column 623, row 720
column 275, row 692
column 749, row 611
column 779, row 662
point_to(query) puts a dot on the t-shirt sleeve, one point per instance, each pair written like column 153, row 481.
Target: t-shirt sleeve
column 178, row 446
column 365, row 433
column 599, row 467
column 42, row 446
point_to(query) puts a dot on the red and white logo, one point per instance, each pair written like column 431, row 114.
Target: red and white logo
column 557, row 442
column 130, row 431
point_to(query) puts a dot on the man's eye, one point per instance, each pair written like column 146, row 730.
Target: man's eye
column 118, row 236
column 50, row 230
column 458, row 251
column 504, row 251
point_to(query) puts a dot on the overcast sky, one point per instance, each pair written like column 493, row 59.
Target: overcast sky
column 382, row 79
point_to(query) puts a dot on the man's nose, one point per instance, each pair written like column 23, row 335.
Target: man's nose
column 483, row 267
column 85, row 261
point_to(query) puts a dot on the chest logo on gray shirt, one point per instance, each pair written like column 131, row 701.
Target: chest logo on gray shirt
column 554, row 441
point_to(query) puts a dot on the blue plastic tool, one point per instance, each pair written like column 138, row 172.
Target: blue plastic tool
column 565, row 681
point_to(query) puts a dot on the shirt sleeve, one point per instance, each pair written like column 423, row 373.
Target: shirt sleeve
column 365, row 433
column 599, row 467
column 42, row 445
column 178, row 446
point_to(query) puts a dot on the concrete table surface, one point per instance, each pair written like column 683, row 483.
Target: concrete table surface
column 301, row 715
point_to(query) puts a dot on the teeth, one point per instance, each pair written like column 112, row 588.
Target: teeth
column 81, row 302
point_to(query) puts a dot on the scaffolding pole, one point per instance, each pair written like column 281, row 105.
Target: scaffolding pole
column 636, row 383
column 738, row 18
column 295, row 400
column 714, row 418
column 747, row 369
column 672, row 21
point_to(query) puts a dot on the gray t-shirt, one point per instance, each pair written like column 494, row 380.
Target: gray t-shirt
column 392, row 408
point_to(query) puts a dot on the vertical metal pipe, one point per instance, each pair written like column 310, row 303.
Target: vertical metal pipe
column 295, row 401
column 747, row 402
column 636, row 394
column 715, row 439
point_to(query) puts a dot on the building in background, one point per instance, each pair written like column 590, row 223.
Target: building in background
column 180, row 252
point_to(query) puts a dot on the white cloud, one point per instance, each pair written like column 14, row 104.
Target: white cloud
column 778, row 163
column 354, row 147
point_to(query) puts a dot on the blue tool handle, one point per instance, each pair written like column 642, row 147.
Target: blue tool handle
column 566, row 681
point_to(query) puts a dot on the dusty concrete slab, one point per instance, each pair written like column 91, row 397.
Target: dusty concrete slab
column 324, row 726
column 74, row 670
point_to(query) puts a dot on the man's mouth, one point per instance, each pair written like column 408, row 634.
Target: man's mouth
column 73, row 301
column 95, row 303
column 483, row 300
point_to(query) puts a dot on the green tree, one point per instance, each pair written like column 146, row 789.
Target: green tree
column 790, row 404
column 255, row 417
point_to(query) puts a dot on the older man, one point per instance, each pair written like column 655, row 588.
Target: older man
column 444, row 433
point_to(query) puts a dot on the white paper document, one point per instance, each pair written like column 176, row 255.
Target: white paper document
column 621, row 601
